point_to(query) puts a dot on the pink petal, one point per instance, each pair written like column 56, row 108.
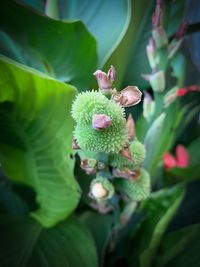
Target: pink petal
column 169, row 161
column 182, row 156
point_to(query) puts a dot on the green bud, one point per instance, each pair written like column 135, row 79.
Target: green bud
column 137, row 189
column 101, row 189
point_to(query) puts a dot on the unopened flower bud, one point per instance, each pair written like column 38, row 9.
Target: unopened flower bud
column 148, row 106
column 160, row 37
column 126, row 152
column 101, row 122
column 131, row 128
column 152, row 54
column 101, row 189
column 129, row 96
column 157, row 17
column 157, row 81
column 170, row 97
column 103, row 80
column 112, row 73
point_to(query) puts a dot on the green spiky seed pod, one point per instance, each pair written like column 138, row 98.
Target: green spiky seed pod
column 138, row 189
column 101, row 189
column 110, row 140
column 86, row 104
column 139, row 152
column 119, row 162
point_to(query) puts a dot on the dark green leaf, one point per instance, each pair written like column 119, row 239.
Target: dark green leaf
column 100, row 226
column 180, row 248
column 159, row 209
column 65, row 50
column 35, row 138
column 24, row 243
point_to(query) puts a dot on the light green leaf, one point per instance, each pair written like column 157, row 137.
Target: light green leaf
column 35, row 138
column 65, row 50
column 24, row 243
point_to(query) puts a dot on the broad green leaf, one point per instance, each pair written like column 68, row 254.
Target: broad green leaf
column 35, row 138
column 65, row 50
column 100, row 226
column 180, row 248
column 159, row 210
column 107, row 21
column 24, row 243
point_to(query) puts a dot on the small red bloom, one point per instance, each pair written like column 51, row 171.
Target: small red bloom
column 182, row 91
column 169, row 161
column 182, row 156
column 182, row 159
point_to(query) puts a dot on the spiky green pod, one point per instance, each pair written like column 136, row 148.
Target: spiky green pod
column 101, row 188
column 110, row 140
column 86, row 104
column 138, row 151
column 138, row 189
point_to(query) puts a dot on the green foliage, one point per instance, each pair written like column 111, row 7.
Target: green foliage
column 25, row 243
column 51, row 46
column 100, row 17
column 35, row 138
column 159, row 210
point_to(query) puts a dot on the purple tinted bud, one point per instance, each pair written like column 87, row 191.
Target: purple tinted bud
column 157, row 17
column 101, row 122
column 112, row 73
column 103, row 80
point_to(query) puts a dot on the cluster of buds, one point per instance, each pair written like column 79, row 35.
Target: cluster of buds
column 159, row 45
column 101, row 128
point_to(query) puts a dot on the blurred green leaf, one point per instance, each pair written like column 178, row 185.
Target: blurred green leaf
column 100, row 226
column 180, row 248
column 24, row 243
column 35, row 138
column 159, row 209
column 107, row 21
column 65, row 50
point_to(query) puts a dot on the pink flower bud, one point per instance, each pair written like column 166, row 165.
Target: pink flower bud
column 126, row 152
column 157, row 18
column 131, row 128
column 183, row 157
column 103, row 80
column 111, row 73
column 101, row 122
column 169, row 161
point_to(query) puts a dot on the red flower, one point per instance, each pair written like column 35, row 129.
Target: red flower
column 182, row 91
column 182, row 159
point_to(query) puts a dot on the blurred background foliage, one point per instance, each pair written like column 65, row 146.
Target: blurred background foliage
column 49, row 51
